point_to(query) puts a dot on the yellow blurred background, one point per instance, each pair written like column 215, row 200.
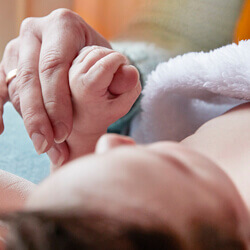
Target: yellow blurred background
column 108, row 17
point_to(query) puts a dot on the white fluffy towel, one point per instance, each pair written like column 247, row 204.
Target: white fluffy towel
column 185, row 92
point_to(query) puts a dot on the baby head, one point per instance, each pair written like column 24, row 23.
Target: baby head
column 47, row 230
column 159, row 196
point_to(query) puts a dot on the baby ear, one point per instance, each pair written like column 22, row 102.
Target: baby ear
column 124, row 80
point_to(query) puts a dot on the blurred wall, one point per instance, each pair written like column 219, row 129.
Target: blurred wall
column 44, row 7
column 12, row 12
column 109, row 17
column 7, row 22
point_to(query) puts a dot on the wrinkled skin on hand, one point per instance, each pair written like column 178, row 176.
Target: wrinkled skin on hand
column 43, row 54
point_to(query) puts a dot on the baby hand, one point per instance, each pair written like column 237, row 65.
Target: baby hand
column 103, row 86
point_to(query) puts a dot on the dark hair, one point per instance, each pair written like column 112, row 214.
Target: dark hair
column 52, row 231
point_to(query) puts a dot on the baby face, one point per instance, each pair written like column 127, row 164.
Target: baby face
column 165, row 181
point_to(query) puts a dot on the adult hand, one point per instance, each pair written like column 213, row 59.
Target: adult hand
column 43, row 54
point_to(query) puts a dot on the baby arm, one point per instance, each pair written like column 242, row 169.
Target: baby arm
column 103, row 87
column 13, row 193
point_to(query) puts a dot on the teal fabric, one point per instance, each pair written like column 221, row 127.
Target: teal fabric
column 17, row 154
column 122, row 125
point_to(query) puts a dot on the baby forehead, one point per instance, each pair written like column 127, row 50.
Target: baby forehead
column 140, row 161
column 130, row 188
column 165, row 155
column 122, row 172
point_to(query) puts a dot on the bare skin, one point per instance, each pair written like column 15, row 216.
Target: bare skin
column 103, row 89
column 13, row 194
column 226, row 141
column 150, row 171
column 168, row 181
column 156, row 172
column 43, row 53
column 99, row 98
column 119, row 178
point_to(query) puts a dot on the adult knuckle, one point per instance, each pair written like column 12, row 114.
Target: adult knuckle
column 11, row 47
column 15, row 100
column 70, row 21
column 58, row 103
column 25, row 75
column 51, row 106
column 27, row 25
column 51, row 61
column 31, row 116
column 63, row 14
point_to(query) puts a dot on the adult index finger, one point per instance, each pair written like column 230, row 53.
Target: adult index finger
column 32, row 108
column 61, row 43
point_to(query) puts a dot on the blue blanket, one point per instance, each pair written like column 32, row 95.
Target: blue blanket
column 17, row 154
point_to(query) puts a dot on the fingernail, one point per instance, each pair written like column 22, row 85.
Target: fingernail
column 61, row 132
column 40, row 143
column 55, row 156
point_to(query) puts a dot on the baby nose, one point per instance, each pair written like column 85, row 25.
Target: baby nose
column 109, row 141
